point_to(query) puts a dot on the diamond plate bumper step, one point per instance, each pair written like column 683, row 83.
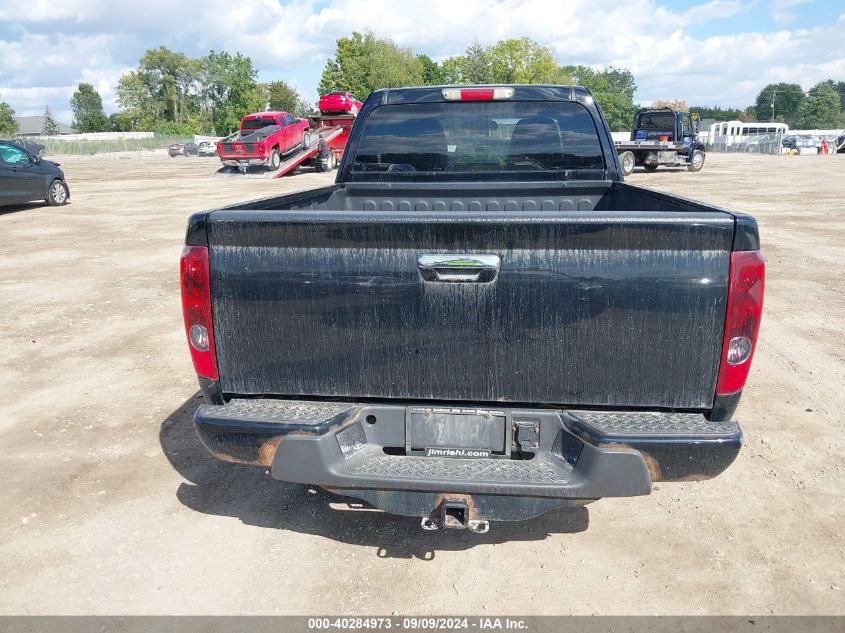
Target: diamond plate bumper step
column 676, row 446
column 304, row 413
column 542, row 470
column 652, row 424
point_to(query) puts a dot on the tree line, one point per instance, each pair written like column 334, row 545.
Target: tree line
column 364, row 62
column 169, row 92
column 821, row 108
column 172, row 93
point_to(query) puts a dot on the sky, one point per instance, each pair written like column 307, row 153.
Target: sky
column 716, row 52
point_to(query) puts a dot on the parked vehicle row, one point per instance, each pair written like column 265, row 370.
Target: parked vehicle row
column 775, row 143
column 811, row 143
column 203, row 148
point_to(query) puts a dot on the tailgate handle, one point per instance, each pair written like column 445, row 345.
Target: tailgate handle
column 458, row 268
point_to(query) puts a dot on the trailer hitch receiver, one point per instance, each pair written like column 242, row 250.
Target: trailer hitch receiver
column 454, row 515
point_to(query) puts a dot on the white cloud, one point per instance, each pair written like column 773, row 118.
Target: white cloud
column 784, row 11
column 59, row 44
column 716, row 9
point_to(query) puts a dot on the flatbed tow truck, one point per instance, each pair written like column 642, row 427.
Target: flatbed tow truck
column 333, row 129
column 662, row 137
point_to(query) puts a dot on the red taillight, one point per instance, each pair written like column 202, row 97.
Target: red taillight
column 742, row 319
column 196, row 307
column 477, row 94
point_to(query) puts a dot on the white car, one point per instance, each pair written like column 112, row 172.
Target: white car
column 208, row 148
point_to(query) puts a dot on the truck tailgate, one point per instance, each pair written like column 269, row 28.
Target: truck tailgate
column 585, row 308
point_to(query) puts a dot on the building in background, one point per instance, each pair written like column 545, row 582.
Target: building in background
column 33, row 125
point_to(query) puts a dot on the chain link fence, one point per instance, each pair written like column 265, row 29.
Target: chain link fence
column 57, row 146
column 754, row 144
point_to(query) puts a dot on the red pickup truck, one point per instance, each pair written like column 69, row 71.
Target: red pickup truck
column 263, row 139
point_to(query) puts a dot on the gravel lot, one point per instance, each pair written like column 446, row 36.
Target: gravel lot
column 110, row 505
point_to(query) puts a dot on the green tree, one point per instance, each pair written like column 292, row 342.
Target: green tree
column 166, row 89
column 363, row 63
column 120, row 122
column 345, row 71
column 675, row 104
column 839, row 87
column 432, row 74
column 563, row 77
column 787, row 99
column 332, row 77
column 613, row 89
column 172, row 128
column 473, row 67
column 282, row 96
column 390, row 66
column 8, row 125
column 521, row 61
column 170, row 92
column 453, row 70
column 142, row 110
column 87, row 106
column 821, row 108
column 49, row 127
column 477, row 67
column 719, row 113
column 229, row 83
column 170, row 77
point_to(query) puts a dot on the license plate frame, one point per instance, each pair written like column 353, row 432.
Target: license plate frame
column 458, row 432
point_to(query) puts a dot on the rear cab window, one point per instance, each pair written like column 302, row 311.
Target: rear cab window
column 257, row 124
column 505, row 141
column 652, row 125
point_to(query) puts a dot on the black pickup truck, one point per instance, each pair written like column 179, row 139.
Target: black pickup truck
column 479, row 321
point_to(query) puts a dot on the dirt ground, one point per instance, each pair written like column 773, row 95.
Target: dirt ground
column 110, row 505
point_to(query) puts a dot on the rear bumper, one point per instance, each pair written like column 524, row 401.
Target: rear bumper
column 241, row 162
column 573, row 457
column 336, row 107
